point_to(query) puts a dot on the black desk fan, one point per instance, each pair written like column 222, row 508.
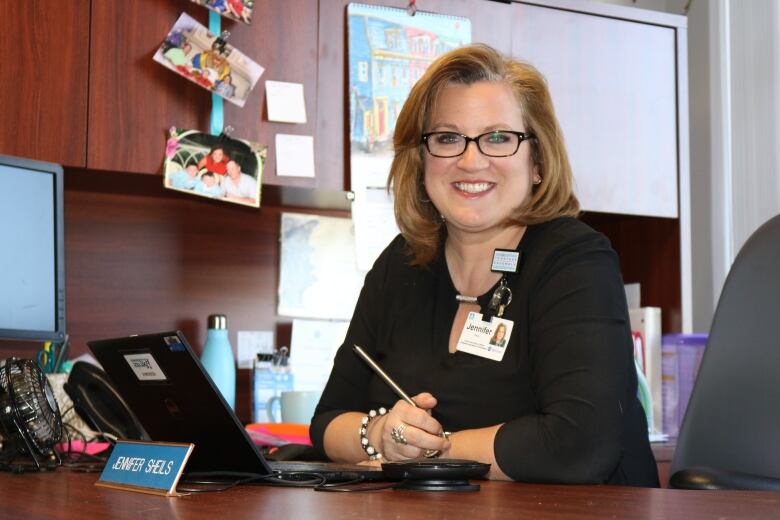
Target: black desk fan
column 29, row 416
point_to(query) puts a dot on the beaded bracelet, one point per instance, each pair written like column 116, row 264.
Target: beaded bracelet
column 370, row 450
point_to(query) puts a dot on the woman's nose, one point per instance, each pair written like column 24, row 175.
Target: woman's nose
column 472, row 158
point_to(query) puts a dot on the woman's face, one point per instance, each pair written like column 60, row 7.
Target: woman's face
column 499, row 333
column 475, row 192
column 217, row 155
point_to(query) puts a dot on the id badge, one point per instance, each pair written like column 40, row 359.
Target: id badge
column 485, row 339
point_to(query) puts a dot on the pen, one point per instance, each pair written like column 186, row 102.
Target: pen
column 62, row 355
column 381, row 373
column 397, row 389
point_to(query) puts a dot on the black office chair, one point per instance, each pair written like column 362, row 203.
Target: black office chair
column 730, row 436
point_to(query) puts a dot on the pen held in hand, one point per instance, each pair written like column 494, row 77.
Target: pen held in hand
column 381, row 373
column 397, row 389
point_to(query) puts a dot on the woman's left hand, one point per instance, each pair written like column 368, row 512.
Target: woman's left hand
column 408, row 432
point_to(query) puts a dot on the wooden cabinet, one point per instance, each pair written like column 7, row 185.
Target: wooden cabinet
column 614, row 84
column 618, row 78
column 43, row 92
column 80, row 87
column 134, row 100
column 283, row 39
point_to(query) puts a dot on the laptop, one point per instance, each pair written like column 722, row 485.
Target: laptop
column 175, row 400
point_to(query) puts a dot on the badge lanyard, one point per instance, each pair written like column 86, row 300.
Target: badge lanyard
column 487, row 334
column 505, row 261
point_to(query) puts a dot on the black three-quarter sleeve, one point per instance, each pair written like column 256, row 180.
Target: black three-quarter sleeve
column 582, row 371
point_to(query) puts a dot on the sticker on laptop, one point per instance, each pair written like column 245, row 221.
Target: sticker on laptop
column 145, row 367
column 174, row 344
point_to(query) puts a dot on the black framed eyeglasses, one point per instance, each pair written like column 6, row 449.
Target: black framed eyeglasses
column 497, row 143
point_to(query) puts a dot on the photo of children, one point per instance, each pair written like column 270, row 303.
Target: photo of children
column 240, row 10
column 192, row 51
column 218, row 167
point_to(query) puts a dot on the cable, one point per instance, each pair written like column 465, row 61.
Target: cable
column 283, row 479
column 215, row 485
column 350, row 487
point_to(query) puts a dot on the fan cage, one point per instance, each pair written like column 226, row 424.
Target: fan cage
column 28, row 410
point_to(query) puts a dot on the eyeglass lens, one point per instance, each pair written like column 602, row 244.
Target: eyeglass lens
column 451, row 144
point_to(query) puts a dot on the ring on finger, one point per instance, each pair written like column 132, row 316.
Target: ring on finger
column 428, row 454
column 397, row 434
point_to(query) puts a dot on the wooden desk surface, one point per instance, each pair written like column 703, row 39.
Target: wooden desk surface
column 67, row 495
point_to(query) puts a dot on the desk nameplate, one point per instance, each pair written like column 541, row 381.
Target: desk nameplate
column 145, row 467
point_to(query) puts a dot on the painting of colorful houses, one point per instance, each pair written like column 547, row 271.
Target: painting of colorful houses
column 388, row 52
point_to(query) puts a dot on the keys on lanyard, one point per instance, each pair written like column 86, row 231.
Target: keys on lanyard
column 504, row 261
column 500, row 300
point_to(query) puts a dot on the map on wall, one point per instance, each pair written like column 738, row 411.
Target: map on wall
column 388, row 52
column 318, row 276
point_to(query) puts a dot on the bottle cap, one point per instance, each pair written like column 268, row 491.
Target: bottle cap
column 217, row 321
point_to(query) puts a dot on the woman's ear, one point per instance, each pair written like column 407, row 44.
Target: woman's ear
column 536, row 177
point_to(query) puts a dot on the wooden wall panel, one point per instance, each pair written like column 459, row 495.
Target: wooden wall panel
column 490, row 23
column 649, row 250
column 140, row 258
column 43, row 94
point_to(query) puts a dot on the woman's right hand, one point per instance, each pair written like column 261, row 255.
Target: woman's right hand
column 406, row 432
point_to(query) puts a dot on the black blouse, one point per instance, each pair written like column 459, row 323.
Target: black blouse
column 566, row 387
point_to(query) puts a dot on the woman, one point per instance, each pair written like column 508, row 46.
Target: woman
column 499, row 338
column 480, row 172
column 215, row 161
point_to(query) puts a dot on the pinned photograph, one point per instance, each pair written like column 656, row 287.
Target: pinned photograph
column 217, row 167
column 240, row 10
column 192, row 51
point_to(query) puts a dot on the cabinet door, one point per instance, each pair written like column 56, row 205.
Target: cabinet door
column 134, row 100
column 283, row 40
column 43, row 94
column 614, row 85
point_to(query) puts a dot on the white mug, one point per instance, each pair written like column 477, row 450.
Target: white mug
column 296, row 406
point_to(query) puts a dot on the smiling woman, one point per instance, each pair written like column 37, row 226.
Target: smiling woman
column 503, row 313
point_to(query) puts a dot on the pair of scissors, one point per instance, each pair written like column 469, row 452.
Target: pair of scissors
column 47, row 357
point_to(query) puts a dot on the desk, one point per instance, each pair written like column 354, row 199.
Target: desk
column 66, row 495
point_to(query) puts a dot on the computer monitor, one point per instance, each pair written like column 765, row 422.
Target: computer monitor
column 32, row 250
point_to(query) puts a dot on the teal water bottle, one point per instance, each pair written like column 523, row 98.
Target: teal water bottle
column 218, row 359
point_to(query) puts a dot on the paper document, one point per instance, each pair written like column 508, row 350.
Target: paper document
column 312, row 348
column 294, row 155
column 251, row 343
column 375, row 227
column 318, row 277
column 285, row 102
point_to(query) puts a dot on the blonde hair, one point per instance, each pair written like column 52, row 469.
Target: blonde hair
column 417, row 218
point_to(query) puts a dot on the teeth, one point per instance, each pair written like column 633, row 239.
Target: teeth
column 478, row 187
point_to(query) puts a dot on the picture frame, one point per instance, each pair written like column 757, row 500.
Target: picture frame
column 216, row 167
column 191, row 51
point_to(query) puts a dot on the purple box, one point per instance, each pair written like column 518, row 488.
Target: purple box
column 680, row 359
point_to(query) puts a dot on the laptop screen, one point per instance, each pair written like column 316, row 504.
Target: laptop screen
column 175, row 400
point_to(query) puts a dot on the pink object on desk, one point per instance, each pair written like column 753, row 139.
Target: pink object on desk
column 90, row 448
column 276, row 434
